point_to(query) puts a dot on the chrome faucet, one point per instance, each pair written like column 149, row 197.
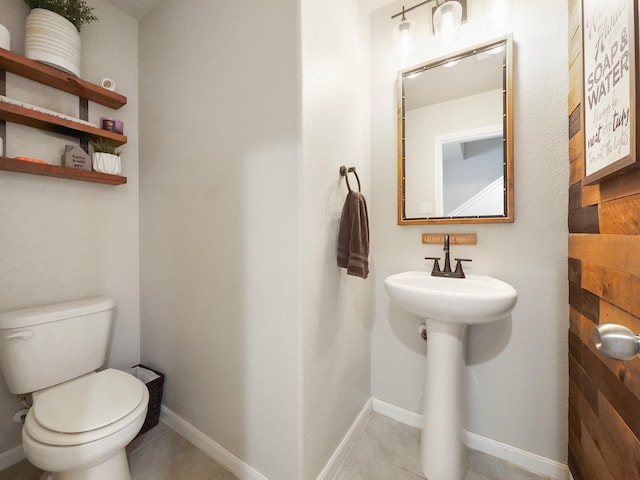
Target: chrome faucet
column 446, row 272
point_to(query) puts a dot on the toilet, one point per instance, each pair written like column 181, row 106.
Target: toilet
column 81, row 419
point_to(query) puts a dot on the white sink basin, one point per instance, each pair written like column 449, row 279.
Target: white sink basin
column 449, row 305
column 471, row 300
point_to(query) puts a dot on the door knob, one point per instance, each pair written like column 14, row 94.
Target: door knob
column 616, row 341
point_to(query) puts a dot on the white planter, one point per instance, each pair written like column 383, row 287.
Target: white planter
column 5, row 38
column 52, row 39
column 107, row 163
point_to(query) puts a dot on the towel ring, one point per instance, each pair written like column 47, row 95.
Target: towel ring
column 344, row 171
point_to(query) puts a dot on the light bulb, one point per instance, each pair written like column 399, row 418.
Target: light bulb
column 446, row 22
column 404, row 34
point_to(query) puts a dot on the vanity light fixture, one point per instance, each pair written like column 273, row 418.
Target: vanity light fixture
column 404, row 34
column 446, row 22
column 447, row 17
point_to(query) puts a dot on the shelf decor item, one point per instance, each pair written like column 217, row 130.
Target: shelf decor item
column 75, row 157
column 52, row 32
column 112, row 125
column 106, row 158
column 5, row 38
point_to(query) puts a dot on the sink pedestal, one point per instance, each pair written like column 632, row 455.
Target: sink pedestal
column 442, row 450
column 454, row 303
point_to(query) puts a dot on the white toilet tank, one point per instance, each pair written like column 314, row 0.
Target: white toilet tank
column 44, row 346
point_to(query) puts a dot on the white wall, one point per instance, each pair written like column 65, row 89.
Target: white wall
column 337, row 308
column 234, row 309
column 516, row 367
column 220, row 222
column 64, row 239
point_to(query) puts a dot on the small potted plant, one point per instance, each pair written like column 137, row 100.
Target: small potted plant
column 52, row 32
column 106, row 157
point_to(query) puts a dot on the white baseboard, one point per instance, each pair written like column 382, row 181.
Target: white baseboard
column 521, row 458
column 402, row 415
column 11, row 457
column 241, row 469
column 345, row 445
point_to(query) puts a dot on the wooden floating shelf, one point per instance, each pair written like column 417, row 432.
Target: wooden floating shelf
column 52, row 77
column 21, row 166
column 60, row 80
column 51, row 123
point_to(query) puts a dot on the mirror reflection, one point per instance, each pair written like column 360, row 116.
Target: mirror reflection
column 455, row 148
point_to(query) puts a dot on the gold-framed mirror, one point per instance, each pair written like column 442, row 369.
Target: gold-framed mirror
column 455, row 138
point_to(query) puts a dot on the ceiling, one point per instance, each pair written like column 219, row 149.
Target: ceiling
column 139, row 8
column 135, row 8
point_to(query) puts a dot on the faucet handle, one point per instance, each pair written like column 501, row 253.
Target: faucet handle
column 459, row 261
column 436, row 264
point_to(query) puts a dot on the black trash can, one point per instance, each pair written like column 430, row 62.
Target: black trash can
column 154, row 381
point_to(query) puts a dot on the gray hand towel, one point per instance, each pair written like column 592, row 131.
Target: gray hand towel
column 353, row 236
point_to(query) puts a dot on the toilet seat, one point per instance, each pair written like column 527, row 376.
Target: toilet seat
column 86, row 409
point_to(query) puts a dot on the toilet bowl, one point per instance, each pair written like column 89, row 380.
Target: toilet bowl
column 80, row 421
column 79, row 430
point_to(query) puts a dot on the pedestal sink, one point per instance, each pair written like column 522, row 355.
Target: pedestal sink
column 449, row 305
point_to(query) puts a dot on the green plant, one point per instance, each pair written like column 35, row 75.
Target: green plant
column 76, row 11
column 104, row 145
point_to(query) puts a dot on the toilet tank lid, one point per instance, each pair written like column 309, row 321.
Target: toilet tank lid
column 50, row 313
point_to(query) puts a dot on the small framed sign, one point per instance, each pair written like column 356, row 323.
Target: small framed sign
column 609, row 52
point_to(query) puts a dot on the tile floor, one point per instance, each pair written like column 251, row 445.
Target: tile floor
column 384, row 450
column 388, row 450
column 159, row 454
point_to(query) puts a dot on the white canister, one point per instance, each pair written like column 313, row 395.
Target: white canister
column 5, row 38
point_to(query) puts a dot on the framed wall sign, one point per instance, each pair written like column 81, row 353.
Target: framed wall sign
column 609, row 49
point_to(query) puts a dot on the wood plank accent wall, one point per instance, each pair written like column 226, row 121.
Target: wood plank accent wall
column 604, row 287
